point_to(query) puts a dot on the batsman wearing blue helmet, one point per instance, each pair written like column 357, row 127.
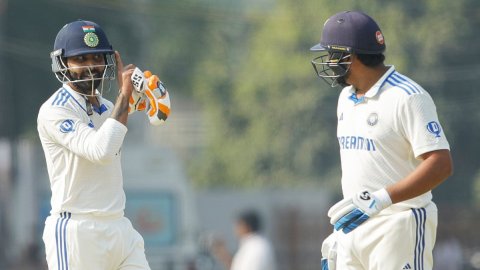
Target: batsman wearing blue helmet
column 82, row 134
column 393, row 153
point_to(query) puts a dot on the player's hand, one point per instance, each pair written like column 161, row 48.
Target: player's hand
column 329, row 252
column 123, row 76
column 350, row 213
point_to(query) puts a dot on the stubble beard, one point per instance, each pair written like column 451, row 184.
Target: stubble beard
column 87, row 87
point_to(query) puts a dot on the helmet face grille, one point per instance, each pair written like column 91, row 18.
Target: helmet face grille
column 331, row 66
column 62, row 72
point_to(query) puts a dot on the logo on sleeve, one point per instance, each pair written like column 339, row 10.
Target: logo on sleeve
column 66, row 126
column 434, row 128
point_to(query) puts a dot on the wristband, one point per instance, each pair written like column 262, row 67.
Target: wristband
column 383, row 198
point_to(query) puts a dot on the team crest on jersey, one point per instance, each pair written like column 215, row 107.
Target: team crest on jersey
column 67, row 126
column 434, row 128
column 372, row 119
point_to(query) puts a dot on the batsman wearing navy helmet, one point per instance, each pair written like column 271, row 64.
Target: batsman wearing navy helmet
column 393, row 153
column 82, row 135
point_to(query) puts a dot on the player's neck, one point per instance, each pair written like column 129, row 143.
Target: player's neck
column 367, row 77
column 94, row 101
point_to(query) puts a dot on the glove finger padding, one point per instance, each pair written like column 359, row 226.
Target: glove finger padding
column 138, row 80
column 137, row 99
column 329, row 252
column 136, row 102
column 340, row 209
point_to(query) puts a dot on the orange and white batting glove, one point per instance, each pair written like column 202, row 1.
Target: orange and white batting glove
column 158, row 100
column 151, row 96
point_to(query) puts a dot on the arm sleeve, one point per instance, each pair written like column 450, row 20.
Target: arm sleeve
column 421, row 126
column 67, row 129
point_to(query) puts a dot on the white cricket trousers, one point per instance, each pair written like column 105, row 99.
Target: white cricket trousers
column 87, row 242
column 392, row 240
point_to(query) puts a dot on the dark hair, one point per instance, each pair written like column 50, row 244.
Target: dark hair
column 371, row 60
column 251, row 219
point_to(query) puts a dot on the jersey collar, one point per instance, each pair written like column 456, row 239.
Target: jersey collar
column 373, row 91
column 78, row 97
column 378, row 85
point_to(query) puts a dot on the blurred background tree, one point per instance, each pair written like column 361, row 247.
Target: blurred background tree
column 270, row 121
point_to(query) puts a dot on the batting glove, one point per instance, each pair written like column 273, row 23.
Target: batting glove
column 329, row 252
column 158, row 100
column 150, row 95
column 350, row 213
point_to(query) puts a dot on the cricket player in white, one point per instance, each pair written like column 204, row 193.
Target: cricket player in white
column 393, row 153
column 82, row 135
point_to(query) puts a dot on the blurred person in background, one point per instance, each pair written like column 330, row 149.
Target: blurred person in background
column 393, row 153
column 254, row 252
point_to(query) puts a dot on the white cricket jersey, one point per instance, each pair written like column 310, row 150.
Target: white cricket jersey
column 82, row 153
column 382, row 134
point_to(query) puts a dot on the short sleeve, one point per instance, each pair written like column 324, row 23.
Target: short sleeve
column 421, row 125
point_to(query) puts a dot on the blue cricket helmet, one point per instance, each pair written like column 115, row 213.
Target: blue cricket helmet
column 351, row 31
column 78, row 38
column 82, row 37
column 345, row 33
